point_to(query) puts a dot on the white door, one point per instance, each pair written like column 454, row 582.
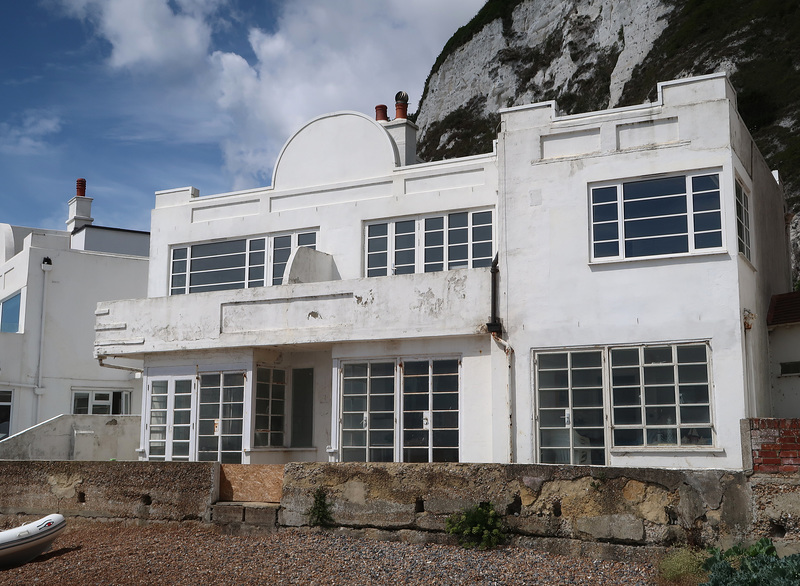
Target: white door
column 170, row 419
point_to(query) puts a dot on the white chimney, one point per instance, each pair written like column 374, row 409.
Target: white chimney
column 402, row 130
column 80, row 208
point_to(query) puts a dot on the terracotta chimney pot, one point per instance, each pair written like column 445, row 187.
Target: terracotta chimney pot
column 381, row 113
column 401, row 105
column 80, row 188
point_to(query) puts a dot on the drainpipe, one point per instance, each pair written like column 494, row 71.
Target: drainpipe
column 508, row 351
column 47, row 266
column 495, row 328
column 133, row 369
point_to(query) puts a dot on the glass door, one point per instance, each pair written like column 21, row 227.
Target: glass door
column 368, row 412
column 570, row 407
column 169, row 424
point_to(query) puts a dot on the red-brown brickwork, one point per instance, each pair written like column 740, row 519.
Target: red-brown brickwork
column 775, row 444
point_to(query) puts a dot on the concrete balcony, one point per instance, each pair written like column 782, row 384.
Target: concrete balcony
column 450, row 303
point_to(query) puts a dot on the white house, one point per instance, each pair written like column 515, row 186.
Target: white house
column 50, row 283
column 352, row 311
column 783, row 320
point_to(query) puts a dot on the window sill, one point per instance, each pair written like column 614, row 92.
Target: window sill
column 748, row 262
column 278, row 449
column 668, row 451
column 613, row 261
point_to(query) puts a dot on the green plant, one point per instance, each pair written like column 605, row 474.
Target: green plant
column 478, row 526
column 319, row 515
column 757, row 564
column 683, row 565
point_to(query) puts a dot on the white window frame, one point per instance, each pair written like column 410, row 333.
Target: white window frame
column 7, row 400
column 94, row 398
column 174, row 429
column 296, row 238
column 397, row 413
column 259, row 266
column 743, row 220
column 609, row 404
column 399, row 242
column 4, row 304
column 277, row 430
column 225, row 424
column 598, row 222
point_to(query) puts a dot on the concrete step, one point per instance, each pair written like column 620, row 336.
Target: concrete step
column 245, row 517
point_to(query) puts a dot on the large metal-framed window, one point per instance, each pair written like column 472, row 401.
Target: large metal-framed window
column 661, row 395
column 400, row 410
column 647, row 396
column 663, row 216
column 429, row 243
column 234, row 264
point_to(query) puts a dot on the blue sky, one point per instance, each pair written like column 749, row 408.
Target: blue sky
column 138, row 96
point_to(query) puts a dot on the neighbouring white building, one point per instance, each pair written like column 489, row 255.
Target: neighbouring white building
column 50, row 283
column 352, row 311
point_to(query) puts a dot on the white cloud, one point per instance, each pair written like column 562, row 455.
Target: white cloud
column 324, row 56
column 27, row 134
column 320, row 56
column 148, row 32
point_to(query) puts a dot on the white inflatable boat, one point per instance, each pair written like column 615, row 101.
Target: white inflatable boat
column 22, row 544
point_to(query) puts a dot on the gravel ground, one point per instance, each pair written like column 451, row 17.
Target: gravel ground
column 92, row 552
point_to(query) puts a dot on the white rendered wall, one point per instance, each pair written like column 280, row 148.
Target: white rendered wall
column 554, row 297
column 785, row 347
column 42, row 387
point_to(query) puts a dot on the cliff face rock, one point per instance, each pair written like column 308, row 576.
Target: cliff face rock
column 596, row 54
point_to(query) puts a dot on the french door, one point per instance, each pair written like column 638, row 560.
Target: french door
column 169, row 425
column 571, row 411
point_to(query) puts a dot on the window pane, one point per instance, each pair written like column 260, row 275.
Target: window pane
column 655, row 227
column 709, row 240
column 377, row 230
column 604, row 194
column 705, row 182
column 628, row 437
column 217, row 248
column 9, row 314
column 660, row 206
column 653, row 187
column 695, row 415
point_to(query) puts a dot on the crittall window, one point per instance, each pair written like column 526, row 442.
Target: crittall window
column 101, row 402
column 656, row 217
column 743, row 220
column 400, row 411
column 234, row 264
column 654, row 397
column 429, row 244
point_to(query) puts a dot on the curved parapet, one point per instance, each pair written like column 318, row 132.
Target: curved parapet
column 335, row 148
column 6, row 242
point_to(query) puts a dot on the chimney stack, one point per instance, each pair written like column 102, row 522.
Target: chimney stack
column 80, row 208
column 402, row 131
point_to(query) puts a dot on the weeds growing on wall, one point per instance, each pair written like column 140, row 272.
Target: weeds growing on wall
column 319, row 515
column 478, row 526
